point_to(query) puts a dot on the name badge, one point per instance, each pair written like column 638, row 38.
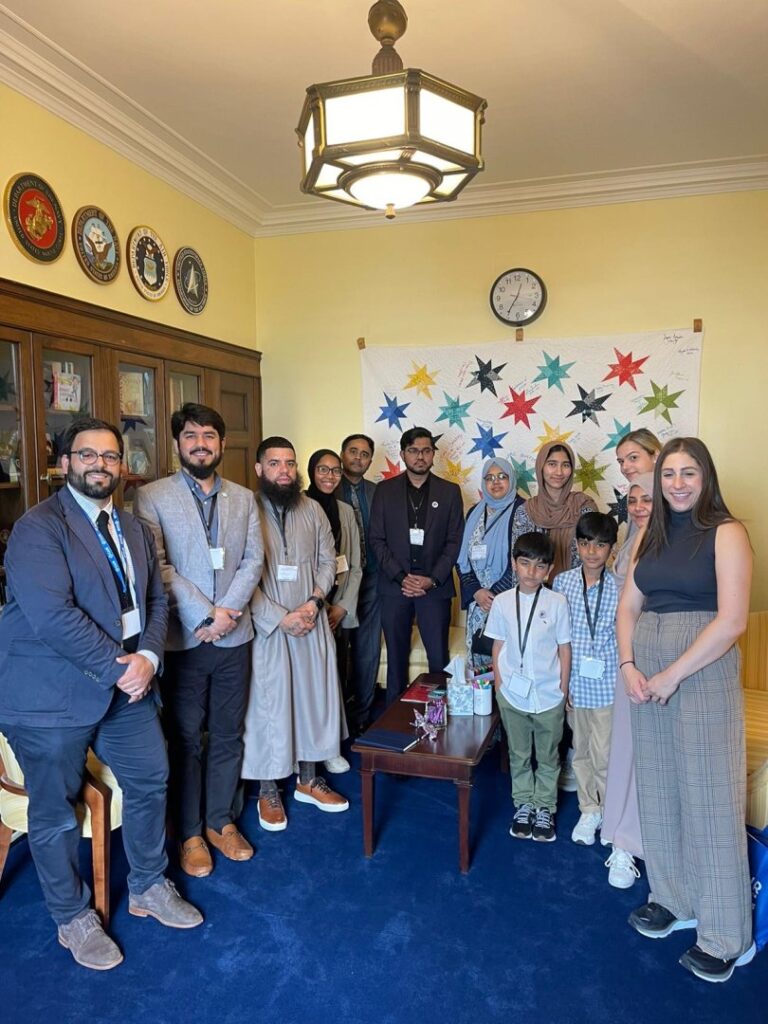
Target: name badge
column 217, row 557
column 131, row 623
column 417, row 537
column 341, row 564
column 517, row 687
column 287, row 573
column 478, row 552
column 591, row 668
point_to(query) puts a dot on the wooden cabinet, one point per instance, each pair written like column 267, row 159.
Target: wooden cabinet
column 60, row 359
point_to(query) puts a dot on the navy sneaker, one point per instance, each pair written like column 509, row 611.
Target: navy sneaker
column 712, row 968
column 656, row 922
column 544, row 826
column 522, row 822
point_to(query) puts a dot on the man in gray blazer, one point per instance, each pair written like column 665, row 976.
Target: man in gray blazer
column 210, row 549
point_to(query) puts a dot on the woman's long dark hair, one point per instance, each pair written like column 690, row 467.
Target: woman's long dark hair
column 327, row 502
column 710, row 509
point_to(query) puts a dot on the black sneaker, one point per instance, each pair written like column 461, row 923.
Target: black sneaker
column 544, row 826
column 711, row 968
column 656, row 922
column 522, row 823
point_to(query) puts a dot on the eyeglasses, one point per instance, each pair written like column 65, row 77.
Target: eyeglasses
column 418, row 451
column 325, row 470
column 88, row 457
column 493, row 478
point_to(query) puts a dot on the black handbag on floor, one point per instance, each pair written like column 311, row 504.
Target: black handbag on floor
column 482, row 645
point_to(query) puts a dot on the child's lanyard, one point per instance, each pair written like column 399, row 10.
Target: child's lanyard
column 522, row 638
column 593, row 624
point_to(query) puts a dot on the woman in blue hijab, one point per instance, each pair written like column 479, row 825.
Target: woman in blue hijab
column 484, row 564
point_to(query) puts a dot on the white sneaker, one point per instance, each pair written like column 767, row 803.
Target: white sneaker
column 622, row 869
column 585, row 829
column 337, row 765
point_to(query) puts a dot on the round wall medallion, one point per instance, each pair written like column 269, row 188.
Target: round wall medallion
column 96, row 244
column 148, row 263
column 190, row 280
column 34, row 218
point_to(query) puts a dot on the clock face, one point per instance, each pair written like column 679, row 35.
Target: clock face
column 518, row 296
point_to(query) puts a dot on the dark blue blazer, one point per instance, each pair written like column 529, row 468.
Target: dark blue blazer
column 61, row 629
column 390, row 533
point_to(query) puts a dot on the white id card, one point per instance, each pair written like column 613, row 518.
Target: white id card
column 342, row 565
column 478, row 552
column 287, row 573
column 217, row 557
column 131, row 623
column 591, row 668
column 417, row 537
column 517, row 687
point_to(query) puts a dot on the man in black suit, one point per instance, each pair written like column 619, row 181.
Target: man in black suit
column 416, row 527
column 81, row 640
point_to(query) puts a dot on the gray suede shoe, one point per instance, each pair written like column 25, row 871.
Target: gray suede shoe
column 162, row 901
column 89, row 944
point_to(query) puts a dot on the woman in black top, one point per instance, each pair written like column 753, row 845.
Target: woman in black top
column 684, row 605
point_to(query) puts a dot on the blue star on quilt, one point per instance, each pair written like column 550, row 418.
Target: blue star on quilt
column 552, row 372
column 392, row 412
column 621, row 430
column 487, row 442
column 454, row 411
column 588, row 405
column 525, row 476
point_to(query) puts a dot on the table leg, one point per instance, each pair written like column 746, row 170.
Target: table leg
column 367, row 777
column 464, row 790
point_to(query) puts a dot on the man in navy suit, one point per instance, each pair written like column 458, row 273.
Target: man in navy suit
column 81, row 639
column 417, row 522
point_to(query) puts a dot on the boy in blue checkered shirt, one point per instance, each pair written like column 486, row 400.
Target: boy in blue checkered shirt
column 592, row 597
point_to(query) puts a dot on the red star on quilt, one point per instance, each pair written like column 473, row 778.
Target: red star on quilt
column 393, row 469
column 520, row 407
column 625, row 369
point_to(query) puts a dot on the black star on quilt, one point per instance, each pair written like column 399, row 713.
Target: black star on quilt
column 485, row 375
column 588, row 405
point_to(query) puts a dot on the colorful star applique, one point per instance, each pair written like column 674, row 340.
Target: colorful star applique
column 625, row 369
column 588, row 474
column 525, row 476
column 618, row 508
column 422, row 380
column 486, row 375
column 552, row 436
column 661, row 401
column 454, row 411
column 456, row 473
column 588, row 405
column 620, row 430
column 393, row 469
column 392, row 412
column 520, row 407
column 487, row 442
column 552, row 372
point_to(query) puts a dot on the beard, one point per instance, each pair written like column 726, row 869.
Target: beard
column 196, row 470
column 283, row 495
column 81, row 483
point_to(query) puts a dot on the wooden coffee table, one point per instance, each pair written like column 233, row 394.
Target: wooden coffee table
column 453, row 756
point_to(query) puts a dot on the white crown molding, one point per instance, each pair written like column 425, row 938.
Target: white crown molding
column 38, row 69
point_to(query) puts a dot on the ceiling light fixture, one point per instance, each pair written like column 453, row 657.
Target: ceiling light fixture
column 394, row 138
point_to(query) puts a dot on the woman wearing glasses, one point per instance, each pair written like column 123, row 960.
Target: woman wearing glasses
column 485, row 567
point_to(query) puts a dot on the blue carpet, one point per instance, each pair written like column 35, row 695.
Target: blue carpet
column 310, row 932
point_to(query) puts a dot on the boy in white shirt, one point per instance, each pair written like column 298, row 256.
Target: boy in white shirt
column 531, row 632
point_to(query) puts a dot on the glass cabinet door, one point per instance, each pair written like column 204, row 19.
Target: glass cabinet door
column 12, row 503
column 184, row 386
column 67, row 395
column 138, row 423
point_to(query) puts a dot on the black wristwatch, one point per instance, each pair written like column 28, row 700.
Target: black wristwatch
column 318, row 601
column 208, row 621
column 435, row 582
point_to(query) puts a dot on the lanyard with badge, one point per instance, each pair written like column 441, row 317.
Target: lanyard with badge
column 519, row 684
column 590, row 666
column 131, row 618
column 216, row 554
column 286, row 573
column 479, row 552
column 416, row 533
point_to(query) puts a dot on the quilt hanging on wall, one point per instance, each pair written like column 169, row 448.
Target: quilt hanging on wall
column 512, row 398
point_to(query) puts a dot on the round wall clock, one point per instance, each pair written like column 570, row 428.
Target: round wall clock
column 34, row 218
column 190, row 280
column 518, row 297
column 148, row 263
column 96, row 244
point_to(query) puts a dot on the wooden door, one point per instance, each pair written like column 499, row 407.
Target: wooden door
column 235, row 397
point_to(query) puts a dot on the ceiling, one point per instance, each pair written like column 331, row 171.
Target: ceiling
column 589, row 101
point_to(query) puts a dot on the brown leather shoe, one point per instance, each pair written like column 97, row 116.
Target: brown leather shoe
column 231, row 843
column 195, row 857
column 271, row 813
column 319, row 793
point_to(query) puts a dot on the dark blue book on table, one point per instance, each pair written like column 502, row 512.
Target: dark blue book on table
column 387, row 739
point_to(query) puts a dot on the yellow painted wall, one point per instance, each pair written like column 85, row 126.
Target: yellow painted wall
column 84, row 172
column 609, row 269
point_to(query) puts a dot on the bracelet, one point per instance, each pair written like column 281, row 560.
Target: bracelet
column 629, row 661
